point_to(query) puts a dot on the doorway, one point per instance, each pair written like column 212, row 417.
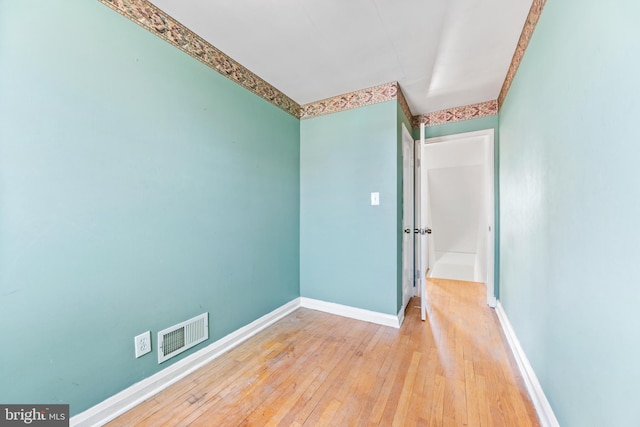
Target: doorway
column 457, row 191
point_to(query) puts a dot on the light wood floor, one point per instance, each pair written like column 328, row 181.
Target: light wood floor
column 316, row 369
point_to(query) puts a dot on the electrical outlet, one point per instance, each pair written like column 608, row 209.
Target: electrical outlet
column 143, row 343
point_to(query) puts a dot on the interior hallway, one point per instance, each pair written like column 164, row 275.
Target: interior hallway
column 313, row 368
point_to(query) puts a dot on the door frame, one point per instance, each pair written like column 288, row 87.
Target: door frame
column 487, row 136
column 419, row 267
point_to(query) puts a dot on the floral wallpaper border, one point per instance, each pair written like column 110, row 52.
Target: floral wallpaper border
column 404, row 104
column 523, row 42
column 150, row 17
column 153, row 19
column 348, row 101
column 457, row 114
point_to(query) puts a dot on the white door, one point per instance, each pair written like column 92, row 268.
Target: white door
column 422, row 228
column 407, row 216
column 416, row 235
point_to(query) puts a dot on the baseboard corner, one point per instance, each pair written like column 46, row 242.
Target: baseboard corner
column 132, row 396
column 352, row 312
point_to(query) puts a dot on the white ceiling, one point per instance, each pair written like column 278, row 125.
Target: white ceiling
column 444, row 53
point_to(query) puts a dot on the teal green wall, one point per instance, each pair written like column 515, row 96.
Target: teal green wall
column 490, row 122
column 570, row 202
column 138, row 188
column 348, row 248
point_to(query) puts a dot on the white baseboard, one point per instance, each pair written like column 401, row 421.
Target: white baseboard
column 538, row 398
column 120, row 403
column 125, row 400
column 401, row 314
column 352, row 312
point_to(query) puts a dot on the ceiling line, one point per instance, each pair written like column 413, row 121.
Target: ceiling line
column 457, row 114
column 153, row 19
column 523, row 42
column 348, row 101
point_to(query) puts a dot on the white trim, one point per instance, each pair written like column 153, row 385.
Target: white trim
column 408, row 142
column 456, row 136
column 132, row 396
column 351, row 312
column 401, row 312
column 491, row 206
column 121, row 402
column 540, row 402
column 401, row 315
column 423, row 242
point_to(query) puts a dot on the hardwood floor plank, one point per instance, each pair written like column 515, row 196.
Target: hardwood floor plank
column 484, row 411
column 283, row 407
column 337, row 382
column 415, row 410
column 437, row 405
column 301, row 408
column 387, row 383
column 327, row 415
column 473, row 417
column 407, row 391
column 315, row 369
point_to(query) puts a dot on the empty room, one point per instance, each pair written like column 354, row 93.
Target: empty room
column 319, row 213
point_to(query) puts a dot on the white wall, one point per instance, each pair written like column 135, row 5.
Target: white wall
column 456, row 181
column 480, row 267
column 456, row 204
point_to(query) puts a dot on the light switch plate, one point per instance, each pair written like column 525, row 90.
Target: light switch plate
column 375, row 199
